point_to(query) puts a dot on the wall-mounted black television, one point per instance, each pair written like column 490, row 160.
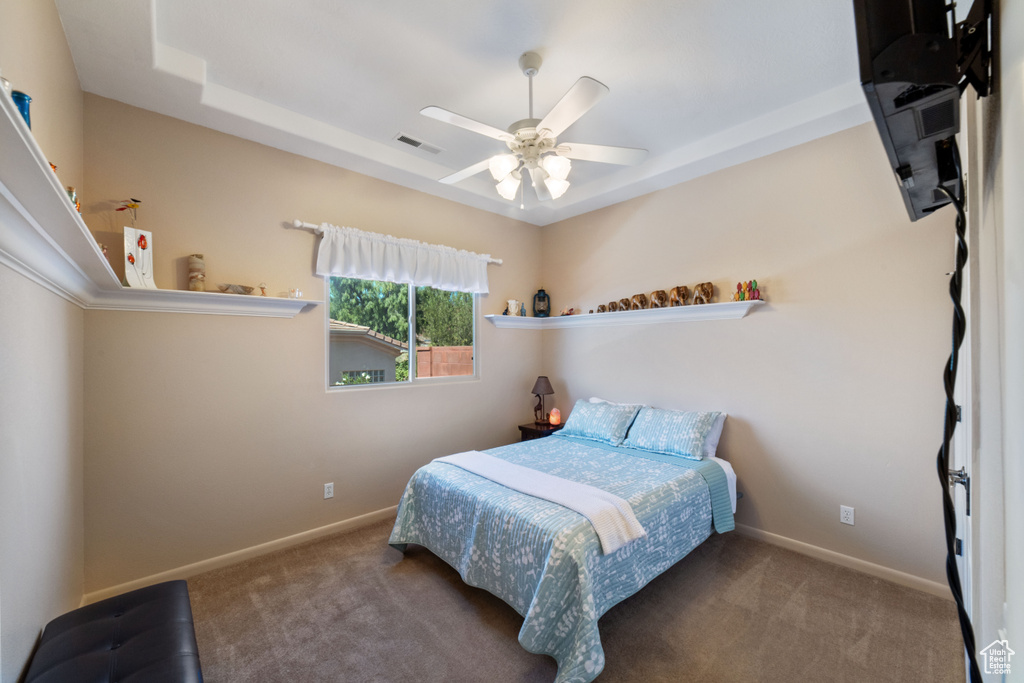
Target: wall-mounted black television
column 914, row 60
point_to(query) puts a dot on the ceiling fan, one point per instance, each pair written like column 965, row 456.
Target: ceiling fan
column 533, row 143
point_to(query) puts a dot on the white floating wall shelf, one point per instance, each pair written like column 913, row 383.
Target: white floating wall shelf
column 44, row 238
column 729, row 310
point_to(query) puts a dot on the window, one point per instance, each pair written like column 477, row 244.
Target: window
column 361, row 377
column 372, row 324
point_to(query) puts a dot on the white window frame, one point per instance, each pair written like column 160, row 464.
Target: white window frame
column 413, row 380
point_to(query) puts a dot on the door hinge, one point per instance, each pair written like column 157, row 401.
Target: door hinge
column 959, row 414
column 958, row 547
column 961, row 477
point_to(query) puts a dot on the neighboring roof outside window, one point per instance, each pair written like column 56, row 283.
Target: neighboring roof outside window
column 342, row 330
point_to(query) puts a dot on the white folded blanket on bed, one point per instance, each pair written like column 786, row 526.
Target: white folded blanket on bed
column 612, row 517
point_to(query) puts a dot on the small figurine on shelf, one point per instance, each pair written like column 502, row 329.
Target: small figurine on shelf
column 73, row 196
column 747, row 291
column 703, row 293
column 679, row 296
column 196, row 273
column 263, row 289
column 567, row 311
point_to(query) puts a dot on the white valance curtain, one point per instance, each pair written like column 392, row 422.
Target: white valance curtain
column 348, row 252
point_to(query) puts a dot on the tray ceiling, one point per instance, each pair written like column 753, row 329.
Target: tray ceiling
column 701, row 84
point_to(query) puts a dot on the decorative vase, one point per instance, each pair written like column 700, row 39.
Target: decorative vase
column 196, row 273
column 22, row 101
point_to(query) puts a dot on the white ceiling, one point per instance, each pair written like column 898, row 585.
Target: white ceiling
column 702, row 84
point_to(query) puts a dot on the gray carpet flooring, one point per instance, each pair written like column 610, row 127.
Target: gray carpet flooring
column 351, row 608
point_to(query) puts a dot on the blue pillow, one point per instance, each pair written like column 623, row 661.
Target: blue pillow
column 672, row 432
column 604, row 422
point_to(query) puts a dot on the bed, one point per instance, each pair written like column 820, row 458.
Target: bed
column 546, row 560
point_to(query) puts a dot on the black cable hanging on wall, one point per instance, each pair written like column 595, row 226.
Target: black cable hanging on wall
column 949, row 426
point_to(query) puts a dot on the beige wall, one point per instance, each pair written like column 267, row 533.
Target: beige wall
column 211, row 434
column 41, row 547
column 834, row 388
column 41, row 532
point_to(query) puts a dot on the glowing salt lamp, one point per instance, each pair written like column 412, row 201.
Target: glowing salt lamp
column 555, row 417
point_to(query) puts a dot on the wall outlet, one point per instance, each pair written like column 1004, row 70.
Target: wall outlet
column 846, row 514
column 329, row 492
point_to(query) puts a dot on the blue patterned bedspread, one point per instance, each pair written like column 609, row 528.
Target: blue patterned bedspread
column 544, row 559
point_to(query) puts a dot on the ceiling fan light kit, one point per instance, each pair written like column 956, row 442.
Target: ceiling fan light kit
column 533, row 143
column 556, row 187
column 557, row 167
column 509, row 185
column 503, row 164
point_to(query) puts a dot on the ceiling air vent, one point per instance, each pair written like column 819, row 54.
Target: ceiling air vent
column 418, row 144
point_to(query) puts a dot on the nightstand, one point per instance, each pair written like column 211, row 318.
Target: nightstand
column 532, row 430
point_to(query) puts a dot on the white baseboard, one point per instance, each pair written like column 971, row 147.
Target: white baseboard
column 241, row 555
column 877, row 570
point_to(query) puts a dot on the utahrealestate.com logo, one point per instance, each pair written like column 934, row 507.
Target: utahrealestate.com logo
column 997, row 657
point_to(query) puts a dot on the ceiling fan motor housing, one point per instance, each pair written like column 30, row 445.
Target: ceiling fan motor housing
column 530, row 63
column 533, row 142
column 528, row 144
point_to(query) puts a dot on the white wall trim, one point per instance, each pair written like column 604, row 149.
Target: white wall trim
column 902, row 578
column 241, row 555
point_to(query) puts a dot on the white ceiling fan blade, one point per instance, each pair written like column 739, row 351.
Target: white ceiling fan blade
column 537, row 177
column 463, row 122
column 624, row 156
column 466, row 172
column 583, row 95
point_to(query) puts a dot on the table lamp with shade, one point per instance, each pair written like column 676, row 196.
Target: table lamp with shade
column 541, row 388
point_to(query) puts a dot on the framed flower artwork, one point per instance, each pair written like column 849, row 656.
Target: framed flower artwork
column 138, row 258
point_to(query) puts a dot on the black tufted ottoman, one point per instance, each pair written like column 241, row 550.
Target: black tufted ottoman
column 145, row 635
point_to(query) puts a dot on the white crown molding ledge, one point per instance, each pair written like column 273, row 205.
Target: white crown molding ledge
column 43, row 238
